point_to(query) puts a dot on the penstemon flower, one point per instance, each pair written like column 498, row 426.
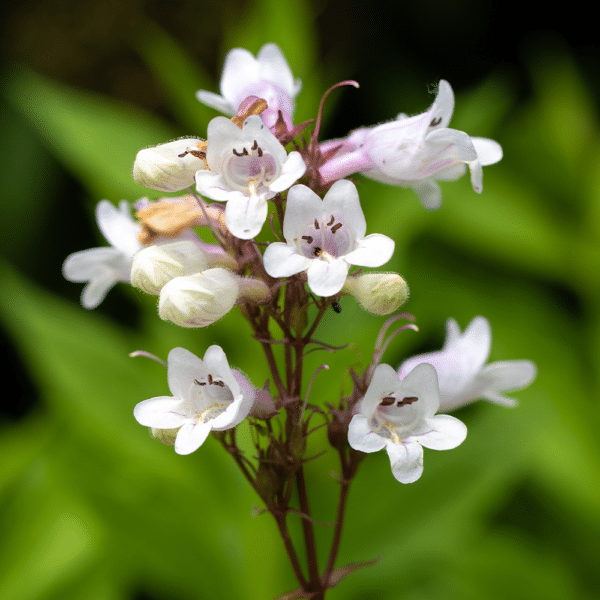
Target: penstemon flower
column 267, row 76
column 206, row 397
column 324, row 237
column 247, row 166
column 462, row 373
column 415, row 151
column 102, row 268
column 400, row 417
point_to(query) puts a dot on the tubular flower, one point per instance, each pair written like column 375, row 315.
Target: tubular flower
column 247, row 167
column 324, row 237
column 462, row 373
column 400, row 417
column 267, row 76
column 102, row 268
column 206, row 396
column 415, row 151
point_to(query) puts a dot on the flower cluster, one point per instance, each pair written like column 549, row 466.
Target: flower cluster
column 256, row 166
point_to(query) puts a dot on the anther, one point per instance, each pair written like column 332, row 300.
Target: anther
column 239, row 153
column 335, row 227
column 331, row 222
column 317, row 224
column 199, row 382
column 254, row 146
column 435, row 122
column 260, row 152
column 308, row 238
column 245, row 152
column 317, row 251
column 407, row 400
column 387, row 401
column 182, row 154
column 210, row 379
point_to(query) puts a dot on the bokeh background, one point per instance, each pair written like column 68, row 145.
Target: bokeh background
column 92, row 507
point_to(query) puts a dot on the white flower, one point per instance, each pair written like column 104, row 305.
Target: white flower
column 206, row 396
column 200, row 299
column 462, row 373
column 247, row 167
column 400, row 417
column 102, row 268
column 324, row 237
column 169, row 167
column 415, row 151
column 267, row 76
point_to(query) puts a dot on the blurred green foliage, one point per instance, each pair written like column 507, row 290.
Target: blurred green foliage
column 92, row 507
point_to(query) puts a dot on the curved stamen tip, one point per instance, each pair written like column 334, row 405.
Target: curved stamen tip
column 315, row 135
column 147, row 355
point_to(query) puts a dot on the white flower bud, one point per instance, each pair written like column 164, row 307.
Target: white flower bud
column 168, row 167
column 198, row 300
column 378, row 293
column 154, row 266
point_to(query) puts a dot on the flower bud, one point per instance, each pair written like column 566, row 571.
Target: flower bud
column 378, row 293
column 253, row 290
column 198, row 300
column 166, row 436
column 169, row 167
column 154, row 266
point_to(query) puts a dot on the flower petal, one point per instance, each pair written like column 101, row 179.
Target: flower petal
column 429, row 193
column 303, row 205
column 245, row 215
column 291, row 170
column 384, row 382
column 215, row 101
column 213, row 186
column 118, row 226
column 161, row 412
column 442, row 432
column 489, row 151
column 191, row 436
column 183, row 368
column 343, row 197
column 275, row 68
column 326, row 277
column 372, row 251
column 361, row 437
column 406, row 460
column 282, row 260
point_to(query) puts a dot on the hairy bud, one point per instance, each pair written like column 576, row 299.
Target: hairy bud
column 378, row 293
column 154, row 266
column 198, row 300
column 169, row 167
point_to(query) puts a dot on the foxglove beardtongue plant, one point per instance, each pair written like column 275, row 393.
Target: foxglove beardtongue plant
column 252, row 165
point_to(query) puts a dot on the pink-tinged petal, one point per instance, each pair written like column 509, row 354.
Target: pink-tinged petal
column 191, row 436
column 162, row 412
column 183, row 368
column 489, row 151
column 216, row 363
column 452, row 333
column 326, row 277
column 213, row 186
column 342, row 198
column 240, row 69
column 275, row 68
column 361, row 437
column 245, row 215
column 503, row 376
column 372, row 251
column 215, row 101
column 441, row 432
column 291, row 170
column 406, row 460
column 282, row 260
column 302, row 207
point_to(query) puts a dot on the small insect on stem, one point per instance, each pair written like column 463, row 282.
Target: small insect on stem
column 336, row 307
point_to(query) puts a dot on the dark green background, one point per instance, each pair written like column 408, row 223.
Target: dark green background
column 92, row 507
